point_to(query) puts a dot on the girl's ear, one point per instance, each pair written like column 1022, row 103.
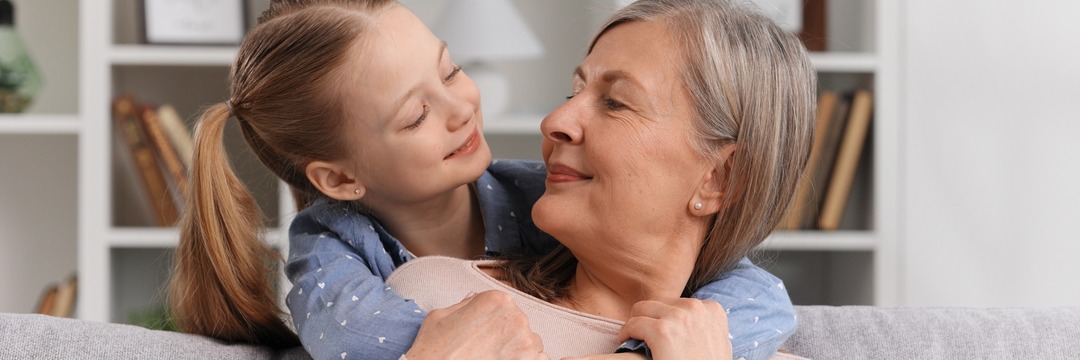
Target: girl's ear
column 713, row 190
column 335, row 181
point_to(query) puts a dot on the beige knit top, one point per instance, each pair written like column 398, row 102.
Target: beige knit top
column 565, row 332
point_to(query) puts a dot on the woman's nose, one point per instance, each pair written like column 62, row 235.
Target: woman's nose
column 563, row 125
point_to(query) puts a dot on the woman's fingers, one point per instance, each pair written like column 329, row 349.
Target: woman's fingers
column 680, row 328
column 619, row 356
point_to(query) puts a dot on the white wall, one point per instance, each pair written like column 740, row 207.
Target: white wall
column 49, row 30
column 991, row 168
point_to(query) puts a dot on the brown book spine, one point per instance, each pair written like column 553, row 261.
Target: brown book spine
column 847, row 160
column 48, row 300
column 814, row 34
column 126, row 118
column 65, row 298
column 830, row 144
column 155, row 132
column 799, row 204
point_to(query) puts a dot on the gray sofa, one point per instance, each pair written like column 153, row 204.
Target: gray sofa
column 850, row 332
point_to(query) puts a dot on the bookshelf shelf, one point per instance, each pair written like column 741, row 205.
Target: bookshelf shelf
column 143, row 238
column 171, row 55
column 165, row 238
column 844, row 62
column 847, row 240
column 39, row 124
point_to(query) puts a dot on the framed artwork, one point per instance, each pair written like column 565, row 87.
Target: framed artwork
column 195, row 22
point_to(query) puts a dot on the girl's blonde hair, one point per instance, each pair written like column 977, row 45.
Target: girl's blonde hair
column 285, row 96
column 753, row 86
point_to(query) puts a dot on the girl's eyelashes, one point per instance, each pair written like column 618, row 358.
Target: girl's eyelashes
column 419, row 121
column 453, row 74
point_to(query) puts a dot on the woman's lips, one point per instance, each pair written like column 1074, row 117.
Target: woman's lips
column 471, row 144
column 563, row 173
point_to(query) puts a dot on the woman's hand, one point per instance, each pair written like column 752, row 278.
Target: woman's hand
column 486, row 325
column 619, row 356
column 680, row 328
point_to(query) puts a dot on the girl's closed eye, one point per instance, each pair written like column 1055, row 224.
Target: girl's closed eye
column 453, row 74
column 419, row 121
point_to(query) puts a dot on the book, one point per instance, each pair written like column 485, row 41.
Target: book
column 143, row 161
column 66, row 292
column 48, row 300
column 179, row 135
column 826, row 157
column 814, row 25
column 169, row 159
column 847, row 160
column 827, row 103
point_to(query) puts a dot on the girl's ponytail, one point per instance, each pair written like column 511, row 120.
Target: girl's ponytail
column 221, row 286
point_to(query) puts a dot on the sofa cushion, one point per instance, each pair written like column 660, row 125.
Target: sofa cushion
column 29, row 336
column 862, row 332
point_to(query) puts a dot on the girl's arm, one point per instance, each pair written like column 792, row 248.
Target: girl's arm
column 342, row 308
column 759, row 312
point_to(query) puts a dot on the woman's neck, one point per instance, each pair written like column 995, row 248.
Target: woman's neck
column 608, row 284
column 612, row 292
column 448, row 225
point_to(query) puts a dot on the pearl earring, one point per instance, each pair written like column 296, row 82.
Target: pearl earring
column 698, row 206
column 357, row 191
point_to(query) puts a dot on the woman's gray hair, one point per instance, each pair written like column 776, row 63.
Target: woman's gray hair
column 753, row 86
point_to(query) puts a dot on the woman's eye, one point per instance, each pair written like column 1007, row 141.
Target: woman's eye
column 572, row 95
column 613, row 105
column 419, row 120
column 453, row 74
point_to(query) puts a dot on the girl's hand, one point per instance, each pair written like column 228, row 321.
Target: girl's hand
column 487, row 325
column 680, row 328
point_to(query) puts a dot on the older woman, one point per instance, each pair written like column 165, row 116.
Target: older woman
column 682, row 142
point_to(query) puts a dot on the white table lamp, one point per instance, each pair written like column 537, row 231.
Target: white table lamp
column 481, row 31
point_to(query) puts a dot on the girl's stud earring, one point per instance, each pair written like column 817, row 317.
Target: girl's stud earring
column 698, row 206
column 357, row 191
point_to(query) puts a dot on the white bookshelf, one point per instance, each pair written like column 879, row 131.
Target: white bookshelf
column 859, row 263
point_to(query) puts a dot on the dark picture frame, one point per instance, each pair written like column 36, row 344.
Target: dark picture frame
column 193, row 22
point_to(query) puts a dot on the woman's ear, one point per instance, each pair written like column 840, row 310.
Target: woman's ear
column 335, row 181
column 713, row 189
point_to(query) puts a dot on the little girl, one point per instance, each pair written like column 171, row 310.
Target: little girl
column 359, row 108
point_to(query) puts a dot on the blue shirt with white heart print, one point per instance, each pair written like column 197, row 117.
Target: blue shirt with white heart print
column 339, row 259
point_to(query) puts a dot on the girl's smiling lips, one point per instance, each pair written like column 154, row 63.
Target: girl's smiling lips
column 471, row 144
column 561, row 173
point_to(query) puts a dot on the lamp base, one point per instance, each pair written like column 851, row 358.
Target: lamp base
column 494, row 88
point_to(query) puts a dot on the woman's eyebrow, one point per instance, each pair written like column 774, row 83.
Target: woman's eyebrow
column 612, row 76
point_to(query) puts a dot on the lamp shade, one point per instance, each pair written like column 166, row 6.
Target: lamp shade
column 486, row 30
